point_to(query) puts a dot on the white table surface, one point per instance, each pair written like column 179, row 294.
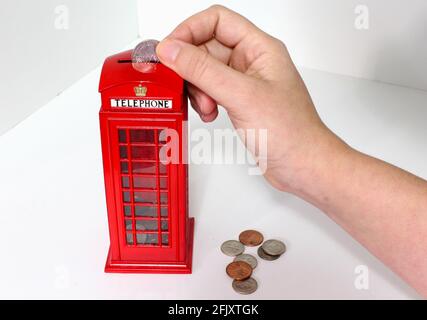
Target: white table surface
column 53, row 221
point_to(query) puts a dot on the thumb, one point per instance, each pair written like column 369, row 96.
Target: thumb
column 210, row 75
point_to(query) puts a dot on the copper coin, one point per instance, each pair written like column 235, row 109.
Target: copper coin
column 263, row 255
column 251, row 238
column 247, row 286
column 239, row 270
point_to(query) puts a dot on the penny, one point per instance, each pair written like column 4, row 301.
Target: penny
column 251, row 238
column 247, row 286
column 274, row 247
column 232, row 248
column 248, row 258
column 266, row 256
column 239, row 270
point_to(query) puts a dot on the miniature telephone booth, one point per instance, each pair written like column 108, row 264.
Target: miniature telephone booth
column 147, row 200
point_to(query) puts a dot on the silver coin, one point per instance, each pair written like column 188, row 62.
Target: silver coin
column 247, row 286
column 248, row 258
column 232, row 248
column 145, row 52
column 274, row 247
column 266, row 256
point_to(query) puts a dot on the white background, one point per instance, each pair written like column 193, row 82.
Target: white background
column 320, row 34
column 39, row 60
column 53, row 223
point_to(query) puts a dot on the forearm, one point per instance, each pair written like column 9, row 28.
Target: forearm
column 380, row 205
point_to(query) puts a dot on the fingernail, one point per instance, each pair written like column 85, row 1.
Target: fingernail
column 168, row 50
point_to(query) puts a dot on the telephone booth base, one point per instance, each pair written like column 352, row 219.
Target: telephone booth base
column 127, row 267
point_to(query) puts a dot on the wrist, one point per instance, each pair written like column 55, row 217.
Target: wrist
column 317, row 158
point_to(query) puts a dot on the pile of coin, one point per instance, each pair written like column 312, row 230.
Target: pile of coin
column 240, row 270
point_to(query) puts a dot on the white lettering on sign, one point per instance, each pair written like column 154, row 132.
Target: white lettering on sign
column 141, row 103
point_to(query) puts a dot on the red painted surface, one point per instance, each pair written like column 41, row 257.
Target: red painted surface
column 150, row 230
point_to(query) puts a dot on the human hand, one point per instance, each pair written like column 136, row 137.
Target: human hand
column 229, row 61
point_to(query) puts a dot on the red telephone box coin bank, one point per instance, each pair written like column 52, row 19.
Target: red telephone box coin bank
column 150, row 230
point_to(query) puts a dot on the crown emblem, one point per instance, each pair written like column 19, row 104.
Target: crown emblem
column 140, row 91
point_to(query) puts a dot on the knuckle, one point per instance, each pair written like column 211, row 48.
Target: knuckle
column 277, row 43
column 198, row 64
column 217, row 7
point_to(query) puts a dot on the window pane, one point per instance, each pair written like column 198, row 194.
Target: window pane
column 122, row 136
column 127, row 211
column 128, row 224
column 163, row 198
column 142, row 135
column 165, row 239
column 142, row 211
column 146, row 225
column 125, row 182
column 143, row 238
column 124, row 167
column 129, row 238
column 126, row 196
column 162, row 169
column 145, row 197
column 150, row 197
column 144, row 167
column 143, row 153
column 164, row 211
column 165, row 225
column 123, row 152
column 145, row 182
column 163, row 183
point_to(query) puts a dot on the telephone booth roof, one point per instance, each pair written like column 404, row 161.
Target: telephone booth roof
column 118, row 70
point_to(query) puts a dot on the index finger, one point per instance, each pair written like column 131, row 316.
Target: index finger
column 223, row 24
